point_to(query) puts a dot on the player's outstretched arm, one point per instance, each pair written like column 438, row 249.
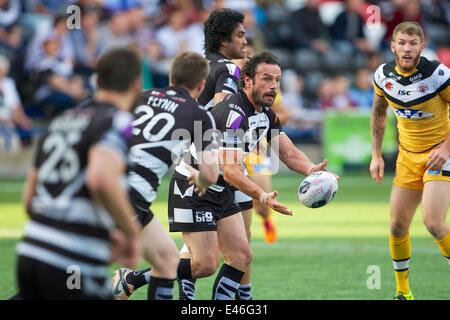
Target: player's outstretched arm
column 231, row 164
column 293, row 158
column 377, row 126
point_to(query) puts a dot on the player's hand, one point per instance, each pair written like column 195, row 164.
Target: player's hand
column 192, row 181
column 321, row 167
column 437, row 159
column 273, row 203
column 117, row 239
column 377, row 169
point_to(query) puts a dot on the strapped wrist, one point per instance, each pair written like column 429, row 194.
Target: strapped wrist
column 263, row 197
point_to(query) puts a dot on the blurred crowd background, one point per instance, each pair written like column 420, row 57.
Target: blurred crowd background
column 328, row 50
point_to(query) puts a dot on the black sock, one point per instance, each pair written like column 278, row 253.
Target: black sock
column 138, row 278
column 244, row 292
column 185, row 281
column 227, row 283
column 160, row 289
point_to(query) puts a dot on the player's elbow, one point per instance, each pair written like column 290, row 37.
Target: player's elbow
column 94, row 182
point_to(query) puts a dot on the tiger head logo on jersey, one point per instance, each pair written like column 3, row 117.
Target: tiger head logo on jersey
column 423, row 87
column 388, row 86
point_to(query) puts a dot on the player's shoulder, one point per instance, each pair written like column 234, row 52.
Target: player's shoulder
column 384, row 69
column 90, row 110
column 234, row 102
column 230, row 111
column 109, row 118
column 432, row 72
column 167, row 99
column 428, row 67
column 220, row 64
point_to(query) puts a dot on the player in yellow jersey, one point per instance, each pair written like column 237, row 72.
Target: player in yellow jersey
column 418, row 91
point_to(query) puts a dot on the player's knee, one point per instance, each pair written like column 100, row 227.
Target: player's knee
column 164, row 259
column 399, row 228
column 204, row 266
column 242, row 257
column 435, row 227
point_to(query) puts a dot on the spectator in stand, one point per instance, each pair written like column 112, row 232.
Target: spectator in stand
column 172, row 37
column 196, row 34
column 361, row 92
column 373, row 61
column 396, row 11
column 347, row 30
column 325, row 95
column 437, row 20
column 308, row 30
column 341, row 100
column 65, row 48
column 252, row 31
column 9, row 13
column 302, row 123
column 85, row 42
column 11, row 112
column 58, row 88
column 114, row 34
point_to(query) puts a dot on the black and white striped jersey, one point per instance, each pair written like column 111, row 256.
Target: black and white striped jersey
column 67, row 226
column 240, row 127
column 167, row 121
column 223, row 77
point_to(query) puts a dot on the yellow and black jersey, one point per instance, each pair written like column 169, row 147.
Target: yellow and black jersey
column 420, row 101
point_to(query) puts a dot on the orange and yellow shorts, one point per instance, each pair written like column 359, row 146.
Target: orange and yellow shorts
column 257, row 164
column 411, row 170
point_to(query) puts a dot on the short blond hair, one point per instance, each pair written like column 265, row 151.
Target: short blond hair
column 410, row 28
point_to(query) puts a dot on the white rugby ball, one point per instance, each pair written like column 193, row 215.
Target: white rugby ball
column 318, row 189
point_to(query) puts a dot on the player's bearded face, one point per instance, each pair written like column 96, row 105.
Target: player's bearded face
column 407, row 50
column 266, row 84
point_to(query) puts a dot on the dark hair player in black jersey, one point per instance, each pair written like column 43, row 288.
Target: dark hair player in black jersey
column 74, row 193
column 224, row 40
column 217, row 226
column 163, row 116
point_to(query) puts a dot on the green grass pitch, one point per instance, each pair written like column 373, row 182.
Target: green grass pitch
column 326, row 253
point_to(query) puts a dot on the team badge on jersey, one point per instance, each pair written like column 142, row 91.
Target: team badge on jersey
column 423, row 87
column 388, row 86
column 234, row 70
column 234, row 120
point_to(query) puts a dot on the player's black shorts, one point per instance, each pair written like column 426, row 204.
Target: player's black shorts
column 191, row 213
column 141, row 208
column 244, row 201
column 40, row 281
